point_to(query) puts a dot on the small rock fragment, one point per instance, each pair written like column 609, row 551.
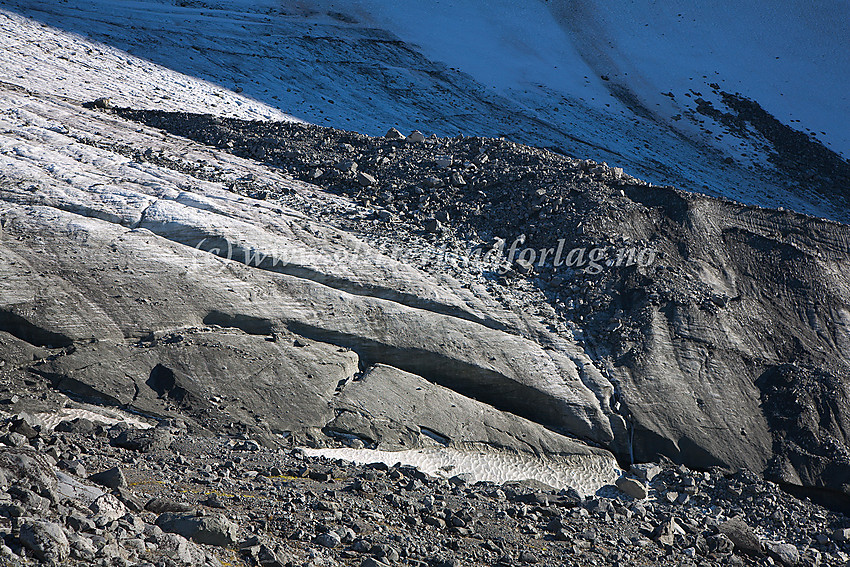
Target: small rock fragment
column 785, row 553
column 25, row 424
column 666, row 532
column 443, row 161
column 416, row 137
column 645, row 471
column 394, row 134
column 329, row 539
column 347, row 166
column 110, row 478
column 432, row 182
column 719, row 545
column 13, row 439
column 632, row 487
column 457, row 179
column 102, row 102
column 129, row 499
column 432, row 225
column 365, row 179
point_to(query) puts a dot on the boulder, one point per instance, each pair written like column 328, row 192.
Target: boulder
column 785, row 553
column 110, row 478
column 26, row 467
column 741, row 535
column 46, row 540
column 163, row 505
column 107, row 508
column 365, row 179
column 212, row 530
column 142, row 440
column 632, row 487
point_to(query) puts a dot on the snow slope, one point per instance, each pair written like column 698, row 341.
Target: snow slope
column 788, row 58
column 615, row 81
column 43, row 59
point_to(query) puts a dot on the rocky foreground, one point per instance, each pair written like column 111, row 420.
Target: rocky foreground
column 88, row 493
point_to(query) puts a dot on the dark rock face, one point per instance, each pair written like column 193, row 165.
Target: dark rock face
column 808, row 411
column 743, row 293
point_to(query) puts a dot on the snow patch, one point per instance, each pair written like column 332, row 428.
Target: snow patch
column 585, row 473
column 95, row 414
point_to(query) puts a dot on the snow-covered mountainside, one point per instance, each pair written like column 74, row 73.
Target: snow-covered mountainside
column 732, row 100
column 47, row 60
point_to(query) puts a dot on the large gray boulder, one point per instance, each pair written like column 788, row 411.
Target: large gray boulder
column 399, row 410
column 212, row 529
column 46, row 540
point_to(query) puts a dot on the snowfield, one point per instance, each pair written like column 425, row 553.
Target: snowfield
column 587, row 475
column 47, row 60
column 623, row 82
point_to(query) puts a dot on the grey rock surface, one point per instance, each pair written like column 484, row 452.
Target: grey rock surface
column 632, row 487
column 281, row 277
column 211, row 530
column 399, row 410
column 46, row 540
column 131, row 282
column 743, row 293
